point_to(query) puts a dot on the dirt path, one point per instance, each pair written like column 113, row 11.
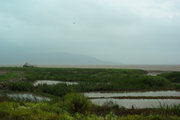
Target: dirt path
column 3, row 72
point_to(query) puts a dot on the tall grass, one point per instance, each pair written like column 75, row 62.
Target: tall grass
column 88, row 79
column 20, row 86
column 172, row 76
column 8, row 76
column 74, row 107
column 100, row 79
column 166, row 109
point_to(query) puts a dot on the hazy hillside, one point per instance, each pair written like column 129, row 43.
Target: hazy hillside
column 50, row 58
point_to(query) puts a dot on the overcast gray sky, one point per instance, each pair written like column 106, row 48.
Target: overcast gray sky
column 124, row 31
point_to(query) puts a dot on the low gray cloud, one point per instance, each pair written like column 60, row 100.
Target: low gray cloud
column 129, row 32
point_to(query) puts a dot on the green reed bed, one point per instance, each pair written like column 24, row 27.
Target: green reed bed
column 8, row 76
column 87, row 79
column 74, row 107
column 100, row 79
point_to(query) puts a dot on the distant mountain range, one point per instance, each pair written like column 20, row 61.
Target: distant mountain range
column 50, row 58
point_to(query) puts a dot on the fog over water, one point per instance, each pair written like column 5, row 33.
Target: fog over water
column 66, row 32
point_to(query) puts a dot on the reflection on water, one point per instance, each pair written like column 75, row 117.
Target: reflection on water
column 155, row 73
column 27, row 97
column 53, row 82
column 138, row 103
column 120, row 94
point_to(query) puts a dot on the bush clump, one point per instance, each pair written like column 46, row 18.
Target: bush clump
column 57, row 90
column 20, row 86
column 77, row 103
column 172, row 76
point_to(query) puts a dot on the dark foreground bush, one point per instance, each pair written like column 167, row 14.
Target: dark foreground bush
column 20, row 86
column 49, row 111
column 57, row 90
column 173, row 76
column 77, row 103
column 8, row 76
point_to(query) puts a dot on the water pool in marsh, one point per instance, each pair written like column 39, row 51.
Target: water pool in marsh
column 27, row 97
column 137, row 103
column 53, row 82
column 101, row 98
column 155, row 73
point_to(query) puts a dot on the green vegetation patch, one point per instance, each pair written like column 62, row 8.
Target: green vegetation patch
column 72, row 107
column 87, row 79
column 67, row 105
column 8, row 76
column 172, row 76
column 100, row 79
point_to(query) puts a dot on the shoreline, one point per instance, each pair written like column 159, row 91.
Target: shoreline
column 163, row 68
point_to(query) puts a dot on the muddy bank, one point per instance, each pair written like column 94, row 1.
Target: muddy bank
column 142, row 97
column 3, row 72
column 143, row 67
column 168, row 93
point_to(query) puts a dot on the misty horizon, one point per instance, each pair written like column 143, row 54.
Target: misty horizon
column 96, row 32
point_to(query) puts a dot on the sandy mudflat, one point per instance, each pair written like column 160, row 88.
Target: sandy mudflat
column 143, row 67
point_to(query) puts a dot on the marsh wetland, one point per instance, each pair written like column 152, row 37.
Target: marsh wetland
column 97, row 92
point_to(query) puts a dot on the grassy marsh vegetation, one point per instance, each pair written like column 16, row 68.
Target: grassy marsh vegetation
column 172, row 76
column 101, row 79
column 77, row 107
column 8, row 76
column 66, row 105
column 88, row 79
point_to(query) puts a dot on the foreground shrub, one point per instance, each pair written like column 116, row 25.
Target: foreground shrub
column 25, row 114
column 111, row 116
column 8, row 76
column 57, row 90
column 20, row 86
column 65, row 116
column 38, row 111
column 156, row 82
column 77, row 103
column 172, row 76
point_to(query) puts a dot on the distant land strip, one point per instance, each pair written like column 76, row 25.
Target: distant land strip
column 169, row 68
